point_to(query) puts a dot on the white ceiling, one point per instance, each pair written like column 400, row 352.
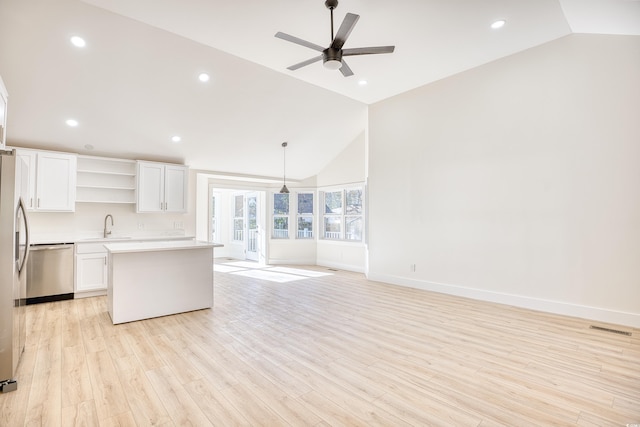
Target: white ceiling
column 135, row 85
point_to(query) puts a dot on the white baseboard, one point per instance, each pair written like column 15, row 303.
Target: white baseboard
column 548, row 306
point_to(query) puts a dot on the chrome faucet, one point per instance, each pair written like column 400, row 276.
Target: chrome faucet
column 106, row 233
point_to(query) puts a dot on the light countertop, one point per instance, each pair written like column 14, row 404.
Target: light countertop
column 50, row 238
column 154, row 246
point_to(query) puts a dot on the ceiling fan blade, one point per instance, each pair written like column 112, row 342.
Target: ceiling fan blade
column 301, row 42
column 304, row 63
column 367, row 50
column 345, row 29
column 345, row 70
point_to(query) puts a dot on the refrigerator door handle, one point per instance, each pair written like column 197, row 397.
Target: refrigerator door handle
column 23, row 264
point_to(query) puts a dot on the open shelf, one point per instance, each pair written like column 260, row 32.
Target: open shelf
column 105, row 180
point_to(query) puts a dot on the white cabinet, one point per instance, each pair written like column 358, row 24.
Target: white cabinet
column 50, row 183
column 105, row 180
column 162, row 187
column 3, row 114
column 91, row 269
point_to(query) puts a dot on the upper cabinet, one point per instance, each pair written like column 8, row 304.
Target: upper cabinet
column 3, row 114
column 49, row 183
column 162, row 187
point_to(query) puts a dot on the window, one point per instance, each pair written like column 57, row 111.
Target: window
column 281, row 215
column 305, row 216
column 238, row 218
column 343, row 214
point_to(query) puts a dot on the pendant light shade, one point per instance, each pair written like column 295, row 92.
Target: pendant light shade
column 284, row 188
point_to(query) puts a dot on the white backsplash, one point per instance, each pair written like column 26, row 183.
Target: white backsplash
column 88, row 220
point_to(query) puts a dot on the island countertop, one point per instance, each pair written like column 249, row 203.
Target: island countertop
column 154, row 246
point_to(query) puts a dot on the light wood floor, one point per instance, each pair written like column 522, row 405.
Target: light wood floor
column 336, row 350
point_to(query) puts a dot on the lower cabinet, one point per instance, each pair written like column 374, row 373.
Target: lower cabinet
column 91, row 270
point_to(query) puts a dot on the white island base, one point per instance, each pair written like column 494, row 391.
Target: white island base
column 152, row 279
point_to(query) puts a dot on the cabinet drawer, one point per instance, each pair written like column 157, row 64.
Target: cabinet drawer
column 90, row 248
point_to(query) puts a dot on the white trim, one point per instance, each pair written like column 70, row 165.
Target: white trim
column 539, row 304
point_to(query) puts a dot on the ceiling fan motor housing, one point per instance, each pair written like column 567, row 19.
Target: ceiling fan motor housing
column 332, row 58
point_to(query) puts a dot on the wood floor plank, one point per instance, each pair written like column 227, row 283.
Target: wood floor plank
column 45, row 399
column 178, row 403
column 215, row 405
column 77, row 385
column 109, row 395
column 146, row 407
column 81, row 414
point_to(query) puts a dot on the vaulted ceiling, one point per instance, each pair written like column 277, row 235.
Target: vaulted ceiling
column 135, row 83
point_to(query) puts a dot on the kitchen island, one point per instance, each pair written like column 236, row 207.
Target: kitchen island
column 158, row 278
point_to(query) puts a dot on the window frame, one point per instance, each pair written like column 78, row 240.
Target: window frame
column 286, row 217
column 343, row 216
column 306, row 215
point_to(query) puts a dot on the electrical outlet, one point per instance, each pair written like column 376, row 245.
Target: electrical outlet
column 141, row 226
column 178, row 225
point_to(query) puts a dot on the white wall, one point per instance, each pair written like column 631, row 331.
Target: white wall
column 516, row 182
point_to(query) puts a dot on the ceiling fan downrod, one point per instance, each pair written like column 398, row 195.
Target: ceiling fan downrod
column 331, row 4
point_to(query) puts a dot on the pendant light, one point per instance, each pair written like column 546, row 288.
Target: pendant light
column 284, row 188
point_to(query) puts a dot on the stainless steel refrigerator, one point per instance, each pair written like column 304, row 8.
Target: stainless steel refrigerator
column 14, row 254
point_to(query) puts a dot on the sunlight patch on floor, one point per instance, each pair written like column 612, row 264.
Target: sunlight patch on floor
column 263, row 272
column 300, row 272
column 272, row 276
column 226, row 268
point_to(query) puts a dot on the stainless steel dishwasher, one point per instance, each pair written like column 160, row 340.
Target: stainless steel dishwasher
column 50, row 273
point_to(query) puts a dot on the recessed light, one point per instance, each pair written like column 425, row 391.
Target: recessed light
column 203, row 77
column 362, row 82
column 176, row 139
column 72, row 122
column 78, row 41
column 498, row 24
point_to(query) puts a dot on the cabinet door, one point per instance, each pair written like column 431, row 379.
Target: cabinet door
column 175, row 184
column 56, row 182
column 150, row 187
column 91, row 272
column 26, row 177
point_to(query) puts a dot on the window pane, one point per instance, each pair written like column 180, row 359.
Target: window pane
column 281, row 227
column 333, row 202
column 239, row 206
column 252, row 214
column 332, row 226
column 353, row 228
column 305, row 227
column 281, row 204
column 305, row 203
column 354, row 202
column 238, row 229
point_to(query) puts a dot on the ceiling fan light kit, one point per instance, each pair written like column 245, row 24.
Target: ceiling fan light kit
column 332, row 56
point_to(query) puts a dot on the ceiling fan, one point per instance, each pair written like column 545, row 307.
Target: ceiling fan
column 332, row 56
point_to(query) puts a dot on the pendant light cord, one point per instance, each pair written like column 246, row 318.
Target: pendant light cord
column 284, row 163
